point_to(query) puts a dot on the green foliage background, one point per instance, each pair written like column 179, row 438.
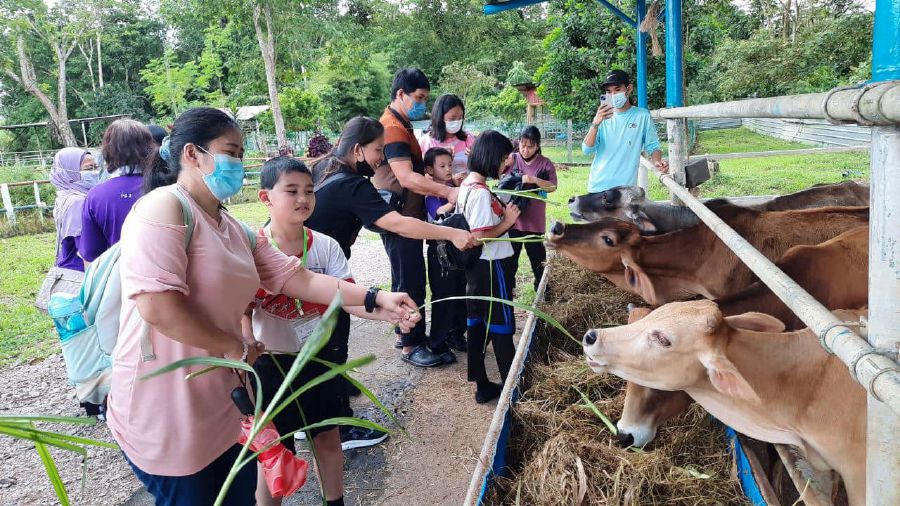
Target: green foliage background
column 335, row 59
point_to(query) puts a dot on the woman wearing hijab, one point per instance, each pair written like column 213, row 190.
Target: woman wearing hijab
column 72, row 175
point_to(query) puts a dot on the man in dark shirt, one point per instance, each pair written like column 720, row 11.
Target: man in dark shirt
column 404, row 176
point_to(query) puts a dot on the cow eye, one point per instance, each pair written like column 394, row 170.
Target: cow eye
column 658, row 337
column 607, row 241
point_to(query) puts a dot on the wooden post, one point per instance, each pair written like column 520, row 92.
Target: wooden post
column 569, row 141
column 8, row 205
column 676, row 132
column 37, row 201
column 84, row 134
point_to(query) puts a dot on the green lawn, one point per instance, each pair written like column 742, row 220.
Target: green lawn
column 26, row 334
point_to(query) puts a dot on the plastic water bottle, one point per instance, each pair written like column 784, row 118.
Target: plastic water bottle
column 65, row 309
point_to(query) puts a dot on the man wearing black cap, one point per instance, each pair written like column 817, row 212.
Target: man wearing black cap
column 618, row 134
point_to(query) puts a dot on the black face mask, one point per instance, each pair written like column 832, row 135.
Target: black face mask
column 530, row 158
column 364, row 169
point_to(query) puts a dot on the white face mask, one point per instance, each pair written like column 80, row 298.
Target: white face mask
column 616, row 100
column 454, row 126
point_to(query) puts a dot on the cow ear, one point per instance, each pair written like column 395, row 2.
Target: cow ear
column 640, row 219
column 725, row 377
column 757, row 322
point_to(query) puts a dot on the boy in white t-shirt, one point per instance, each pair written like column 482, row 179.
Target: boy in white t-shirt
column 283, row 323
column 493, row 274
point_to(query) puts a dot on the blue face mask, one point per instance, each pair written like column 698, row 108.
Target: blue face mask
column 90, row 177
column 227, row 176
column 416, row 111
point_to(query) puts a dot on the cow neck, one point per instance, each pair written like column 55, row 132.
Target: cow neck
column 656, row 256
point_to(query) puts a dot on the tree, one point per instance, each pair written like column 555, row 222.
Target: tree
column 265, row 35
column 60, row 29
column 464, row 80
column 169, row 83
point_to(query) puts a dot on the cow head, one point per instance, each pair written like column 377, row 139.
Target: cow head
column 596, row 246
column 676, row 347
column 622, row 202
column 645, row 408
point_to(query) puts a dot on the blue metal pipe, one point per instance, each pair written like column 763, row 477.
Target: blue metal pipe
column 505, row 6
column 886, row 41
column 674, row 55
column 641, row 43
column 615, row 10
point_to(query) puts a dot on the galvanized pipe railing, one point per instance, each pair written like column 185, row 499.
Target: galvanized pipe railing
column 869, row 104
column 878, row 374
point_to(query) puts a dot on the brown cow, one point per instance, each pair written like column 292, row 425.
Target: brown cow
column 630, row 203
column 693, row 261
column 834, row 272
column 778, row 387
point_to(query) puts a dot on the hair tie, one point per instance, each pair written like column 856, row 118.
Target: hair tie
column 164, row 149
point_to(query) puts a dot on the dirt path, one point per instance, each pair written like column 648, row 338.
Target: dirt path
column 430, row 466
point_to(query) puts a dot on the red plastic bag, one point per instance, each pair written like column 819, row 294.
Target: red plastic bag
column 285, row 472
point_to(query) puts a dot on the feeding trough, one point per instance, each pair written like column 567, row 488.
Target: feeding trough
column 547, row 443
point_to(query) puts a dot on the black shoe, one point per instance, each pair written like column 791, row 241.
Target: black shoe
column 359, row 437
column 457, row 342
column 447, row 357
column 486, row 392
column 421, row 356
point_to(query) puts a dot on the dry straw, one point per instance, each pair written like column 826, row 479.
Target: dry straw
column 561, row 453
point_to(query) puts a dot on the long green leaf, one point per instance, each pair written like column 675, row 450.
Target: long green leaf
column 208, row 361
column 337, row 370
column 73, row 420
column 606, row 421
column 51, row 437
column 38, row 437
column 525, row 307
column 53, row 474
column 314, row 343
column 369, row 395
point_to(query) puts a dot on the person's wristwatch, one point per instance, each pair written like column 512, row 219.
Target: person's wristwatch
column 371, row 294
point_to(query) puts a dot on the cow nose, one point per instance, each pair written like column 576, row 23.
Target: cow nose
column 590, row 337
column 557, row 228
column 625, row 439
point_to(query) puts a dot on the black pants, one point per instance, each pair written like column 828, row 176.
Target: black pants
column 448, row 317
column 490, row 320
column 537, row 255
column 408, row 275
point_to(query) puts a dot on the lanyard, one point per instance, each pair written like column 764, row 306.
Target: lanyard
column 274, row 243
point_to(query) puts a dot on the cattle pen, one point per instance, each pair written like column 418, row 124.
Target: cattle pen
column 868, row 348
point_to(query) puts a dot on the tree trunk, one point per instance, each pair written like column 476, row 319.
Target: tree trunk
column 267, row 48
column 99, row 60
column 65, row 131
column 28, row 80
column 90, row 63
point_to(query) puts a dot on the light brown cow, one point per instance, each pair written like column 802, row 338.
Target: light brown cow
column 778, row 387
column 693, row 261
column 834, row 272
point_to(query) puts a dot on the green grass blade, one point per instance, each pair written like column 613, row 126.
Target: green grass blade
column 525, row 307
column 49, row 418
column 208, row 361
column 314, row 344
column 38, row 436
column 593, row 407
column 53, row 473
column 372, row 397
column 332, row 372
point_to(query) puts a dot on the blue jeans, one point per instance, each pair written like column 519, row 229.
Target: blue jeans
column 202, row 487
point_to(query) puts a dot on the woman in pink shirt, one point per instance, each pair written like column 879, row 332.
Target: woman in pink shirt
column 180, row 436
column 446, row 131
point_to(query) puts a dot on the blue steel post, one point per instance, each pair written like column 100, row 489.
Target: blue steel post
column 674, row 55
column 882, row 449
column 641, row 39
column 886, row 41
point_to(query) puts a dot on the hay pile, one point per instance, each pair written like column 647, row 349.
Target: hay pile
column 560, row 452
